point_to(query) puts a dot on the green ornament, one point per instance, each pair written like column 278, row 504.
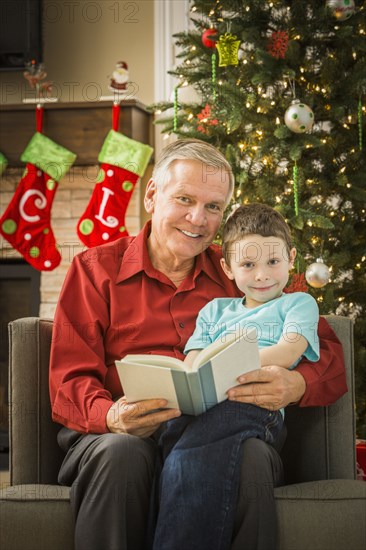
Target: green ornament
column 46, row 231
column 86, row 226
column 127, row 186
column 101, row 176
column 34, row 252
column 51, row 184
column 9, row 227
column 122, row 228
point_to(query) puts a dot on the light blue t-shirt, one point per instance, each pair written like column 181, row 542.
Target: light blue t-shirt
column 295, row 313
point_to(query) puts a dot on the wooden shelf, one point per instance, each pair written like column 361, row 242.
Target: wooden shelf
column 80, row 127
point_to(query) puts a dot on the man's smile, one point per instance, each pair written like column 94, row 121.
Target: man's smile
column 189, row 234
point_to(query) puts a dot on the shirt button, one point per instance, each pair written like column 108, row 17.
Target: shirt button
column 181, row 325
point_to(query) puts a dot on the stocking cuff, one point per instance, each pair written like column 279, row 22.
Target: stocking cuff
column 126, row 153
column 47, row 155
column 3, row 163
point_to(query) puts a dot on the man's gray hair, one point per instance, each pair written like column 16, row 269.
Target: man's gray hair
column 194, row 149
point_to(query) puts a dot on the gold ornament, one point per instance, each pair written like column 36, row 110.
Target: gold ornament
column 228, row 47
column 317, row 274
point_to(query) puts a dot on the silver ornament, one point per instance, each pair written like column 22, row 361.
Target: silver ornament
column 317, row 274
column 341, row 9
column 299, row 118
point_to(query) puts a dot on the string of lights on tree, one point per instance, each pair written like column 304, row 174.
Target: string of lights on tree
column 280, row 88
column 228, row 56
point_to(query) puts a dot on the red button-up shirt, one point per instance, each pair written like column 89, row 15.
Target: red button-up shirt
column 115, row 302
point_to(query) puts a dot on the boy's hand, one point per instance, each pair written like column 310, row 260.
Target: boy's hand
column 138, row 418
column 270, row 387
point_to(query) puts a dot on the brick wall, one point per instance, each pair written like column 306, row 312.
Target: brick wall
column 71, row 199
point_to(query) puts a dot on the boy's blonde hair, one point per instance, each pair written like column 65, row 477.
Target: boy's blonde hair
column 254, row 219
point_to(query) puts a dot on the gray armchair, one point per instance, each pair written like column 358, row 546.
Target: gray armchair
column 321, row 507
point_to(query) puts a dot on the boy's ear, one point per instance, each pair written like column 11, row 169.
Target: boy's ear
column 226, row 269
column 149, row 199
column 292, row 256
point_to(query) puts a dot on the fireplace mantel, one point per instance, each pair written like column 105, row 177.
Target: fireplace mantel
column 80, row 127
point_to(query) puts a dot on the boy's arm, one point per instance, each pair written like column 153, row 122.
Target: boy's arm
column 309, row 385
column 285, row 353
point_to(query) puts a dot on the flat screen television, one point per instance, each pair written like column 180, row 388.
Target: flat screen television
column 20, row 33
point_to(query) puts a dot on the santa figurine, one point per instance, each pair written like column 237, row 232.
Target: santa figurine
column 119, row 77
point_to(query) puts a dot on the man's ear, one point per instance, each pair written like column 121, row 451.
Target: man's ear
column 149, row 199
column 226, row 269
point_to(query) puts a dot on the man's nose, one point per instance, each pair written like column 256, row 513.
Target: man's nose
column 197, row 215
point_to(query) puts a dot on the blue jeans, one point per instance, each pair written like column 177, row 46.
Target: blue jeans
column 200, row 471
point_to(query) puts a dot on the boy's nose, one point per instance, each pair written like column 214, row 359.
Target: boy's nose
column 261, row 275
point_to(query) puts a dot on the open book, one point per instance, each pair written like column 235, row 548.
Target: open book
column 196, row 388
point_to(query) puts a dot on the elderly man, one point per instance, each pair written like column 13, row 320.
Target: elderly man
column 142, row 295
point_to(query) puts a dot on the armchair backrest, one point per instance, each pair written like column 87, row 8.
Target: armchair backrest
column 35, row 456
column 320, row 442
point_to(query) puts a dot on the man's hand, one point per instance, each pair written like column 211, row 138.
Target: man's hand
column 137, row 418
column 270, row 387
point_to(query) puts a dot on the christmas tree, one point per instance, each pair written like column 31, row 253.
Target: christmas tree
column 280, row 88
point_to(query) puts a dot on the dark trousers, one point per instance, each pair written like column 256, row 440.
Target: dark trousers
column 111, row 478
column 199, row 474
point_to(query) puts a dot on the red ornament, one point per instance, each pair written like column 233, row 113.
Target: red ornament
column 208, row 38
column 297, row 284
column 278, row 44
column 205, row 117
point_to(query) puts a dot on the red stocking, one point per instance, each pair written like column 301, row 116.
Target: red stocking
column 26, row 223
column 123, row 162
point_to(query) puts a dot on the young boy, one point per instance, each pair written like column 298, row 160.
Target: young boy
column 258, row 254
column 197, row 451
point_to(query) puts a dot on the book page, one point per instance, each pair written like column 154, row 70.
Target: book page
column 139, row 384
column 155, row 360
column 228, row 365
column 213, row 349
